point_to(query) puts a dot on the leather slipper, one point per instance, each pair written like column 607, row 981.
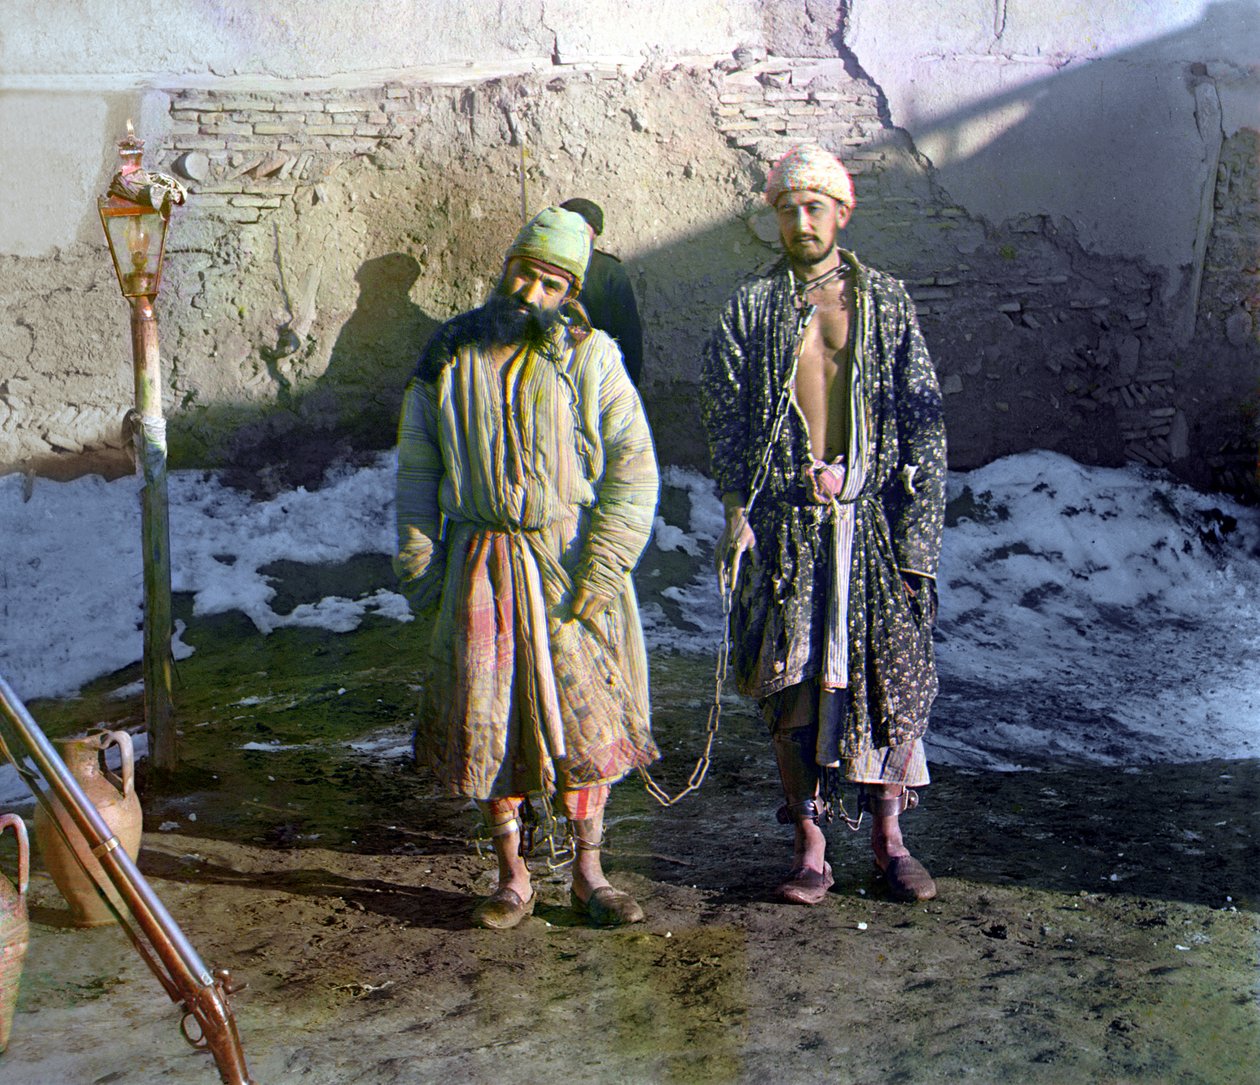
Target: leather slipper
column 607, row 907
column 908, row 879
column 807, row 886
column 502, row 910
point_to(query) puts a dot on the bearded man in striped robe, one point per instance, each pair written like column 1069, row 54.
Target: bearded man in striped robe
column 527, row 487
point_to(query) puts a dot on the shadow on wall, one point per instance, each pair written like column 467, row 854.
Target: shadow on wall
column 374, row 355
column 351, row 410
column 1041, row 339
column 1127, row 329
column 1040, row 342
column 1107, row 137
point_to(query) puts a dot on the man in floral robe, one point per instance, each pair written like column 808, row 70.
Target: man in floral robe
column 527, row 487
column 828, row 444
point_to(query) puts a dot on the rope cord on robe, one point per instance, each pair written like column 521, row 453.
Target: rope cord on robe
column 805, row 314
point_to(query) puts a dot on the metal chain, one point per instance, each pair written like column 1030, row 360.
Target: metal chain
column 537, row 830
column 834, row 801
column 715, row 715
column 805, row 314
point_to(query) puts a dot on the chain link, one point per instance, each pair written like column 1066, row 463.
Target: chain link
column 539, row 829
column 805, row 314
column 715, row 715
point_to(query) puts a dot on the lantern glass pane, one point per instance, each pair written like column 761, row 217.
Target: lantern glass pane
column 136, row 239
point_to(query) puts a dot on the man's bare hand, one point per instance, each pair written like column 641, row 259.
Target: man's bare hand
column 736, row 537
column 921, row 591
column 586, row 604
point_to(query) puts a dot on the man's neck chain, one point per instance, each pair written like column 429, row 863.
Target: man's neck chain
column 802, row 289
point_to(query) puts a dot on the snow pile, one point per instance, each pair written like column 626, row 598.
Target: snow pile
column 71, row 583
column 1096, row 614
column 1087, row 614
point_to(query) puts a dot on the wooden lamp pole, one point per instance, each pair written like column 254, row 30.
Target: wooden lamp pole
column 135, row 214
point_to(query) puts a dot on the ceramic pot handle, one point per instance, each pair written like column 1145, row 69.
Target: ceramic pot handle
column 24, row 849
column 125, row 780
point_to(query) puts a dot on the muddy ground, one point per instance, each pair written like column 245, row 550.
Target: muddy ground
column 1093, row 925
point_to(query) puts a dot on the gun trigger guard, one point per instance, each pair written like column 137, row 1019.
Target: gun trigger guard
column 199, row 1042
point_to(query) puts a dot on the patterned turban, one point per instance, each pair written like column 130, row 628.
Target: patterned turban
column 809, row 167
column 558, row 238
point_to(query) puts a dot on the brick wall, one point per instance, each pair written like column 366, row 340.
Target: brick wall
column 1038, row 342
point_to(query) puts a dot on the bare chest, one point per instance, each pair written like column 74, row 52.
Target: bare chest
column 822, row 374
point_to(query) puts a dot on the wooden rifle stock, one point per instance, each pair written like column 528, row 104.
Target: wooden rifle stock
column 208, row 1022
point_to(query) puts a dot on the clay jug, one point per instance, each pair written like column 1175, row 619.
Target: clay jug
column 14, row 928
column 114, row 796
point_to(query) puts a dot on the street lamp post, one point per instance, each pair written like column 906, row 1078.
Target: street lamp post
column 135, row 213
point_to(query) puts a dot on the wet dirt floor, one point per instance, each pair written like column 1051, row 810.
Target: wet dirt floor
column 1093, row 925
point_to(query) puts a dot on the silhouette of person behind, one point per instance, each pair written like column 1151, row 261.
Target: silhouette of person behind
column 375, row 351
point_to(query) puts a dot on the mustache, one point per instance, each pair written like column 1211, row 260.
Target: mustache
column 803, row 241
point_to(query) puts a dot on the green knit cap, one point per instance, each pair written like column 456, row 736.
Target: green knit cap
column 557, row 237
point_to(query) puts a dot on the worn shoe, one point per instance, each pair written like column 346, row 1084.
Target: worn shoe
column 908, row 879
column 502, row 910
column 807, row 886
column 608, row 907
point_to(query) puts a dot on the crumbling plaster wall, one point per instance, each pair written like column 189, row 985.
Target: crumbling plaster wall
column 1073, row 201
column 1128, row 129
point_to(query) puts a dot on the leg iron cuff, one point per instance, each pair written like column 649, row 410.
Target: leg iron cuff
column 582, row 831
column 887, row 808
column 809, row 810
column 504, row 828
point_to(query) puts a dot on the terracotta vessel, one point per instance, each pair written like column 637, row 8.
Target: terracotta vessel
column 14, row 928
column 114, row 796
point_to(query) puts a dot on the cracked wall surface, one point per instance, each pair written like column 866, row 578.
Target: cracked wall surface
column 1072, row 201
column 1058, row 109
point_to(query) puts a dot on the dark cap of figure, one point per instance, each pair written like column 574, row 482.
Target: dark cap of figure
column 589, row 210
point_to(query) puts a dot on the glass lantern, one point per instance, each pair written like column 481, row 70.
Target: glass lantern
column 137, row 242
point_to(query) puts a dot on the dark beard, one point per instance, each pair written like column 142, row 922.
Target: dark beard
column 503, row 322
column 804, row 259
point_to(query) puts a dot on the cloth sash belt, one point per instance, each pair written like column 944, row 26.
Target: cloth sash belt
column 837, row 487
column 526, row 635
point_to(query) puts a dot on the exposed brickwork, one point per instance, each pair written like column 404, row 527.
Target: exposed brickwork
column 365, row 192
column 1096, row 334
column 261, row 147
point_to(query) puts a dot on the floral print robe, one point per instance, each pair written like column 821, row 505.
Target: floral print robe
column 779, row 606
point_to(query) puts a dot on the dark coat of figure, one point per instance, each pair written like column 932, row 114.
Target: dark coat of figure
column 607, row 295
column 827, row 440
